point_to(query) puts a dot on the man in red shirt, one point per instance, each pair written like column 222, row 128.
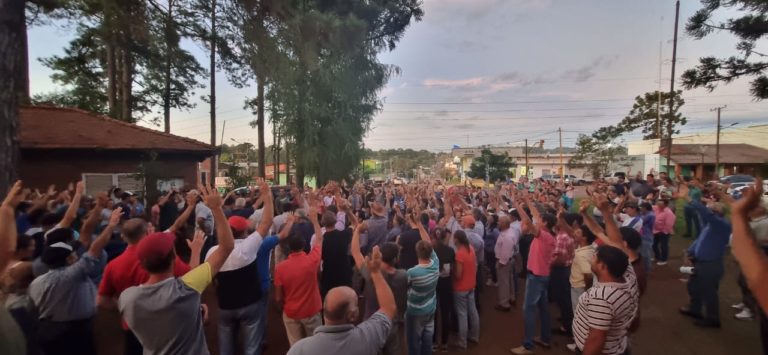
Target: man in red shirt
column 296, row 285
column 125, row 271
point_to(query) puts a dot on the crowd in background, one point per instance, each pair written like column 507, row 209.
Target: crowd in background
column 365, row 268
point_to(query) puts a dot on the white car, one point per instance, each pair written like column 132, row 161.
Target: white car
column 736, row 189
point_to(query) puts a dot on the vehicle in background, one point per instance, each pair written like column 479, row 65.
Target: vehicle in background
column 737, row 191
column 613, row 178
column 733, row 179
column 573, row 180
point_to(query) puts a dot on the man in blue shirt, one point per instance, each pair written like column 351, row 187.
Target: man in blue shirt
column 707, row 253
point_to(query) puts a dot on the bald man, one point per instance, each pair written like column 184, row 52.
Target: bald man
column 339, row 335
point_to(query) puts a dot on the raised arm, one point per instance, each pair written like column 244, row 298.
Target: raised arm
column 316, row 226
column 214, row 201
column 8, row 224
column 344, row 206
column 611, row 228
column 563, row 224
column 422, row 231
column 196, row 247
column 86, row 231
column 74, row 205
column 98, row 245
column 384, row 294
column 753, row 262
column 184, row 216
column 268, row 214
column 355, row 246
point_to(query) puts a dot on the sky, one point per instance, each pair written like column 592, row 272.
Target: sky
column 495, row 72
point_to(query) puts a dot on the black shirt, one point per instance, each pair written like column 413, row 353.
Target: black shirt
column 337, row 263
column 447, row 257
column 407, row 242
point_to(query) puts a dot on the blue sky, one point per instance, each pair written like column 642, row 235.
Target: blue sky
column 498, row 71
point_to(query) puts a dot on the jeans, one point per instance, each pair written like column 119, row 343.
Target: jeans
column 645, row 251
column 661, row 246
column 394, row 343
column 560, row 286
column 507, row 281
column 466, row 310
column 536, row 298
column 692, row 220
column 418, row 332
column 248, row 319
column 447, row 314
column 490, row 262
column 703, row 286
column 67, row 338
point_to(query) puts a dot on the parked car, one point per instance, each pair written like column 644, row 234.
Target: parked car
column 731, row 179
column 737, row 191
column 573, row 180
column 613, row 178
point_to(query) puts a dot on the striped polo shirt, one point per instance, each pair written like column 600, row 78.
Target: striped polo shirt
column 422, row 281
column 609, row 306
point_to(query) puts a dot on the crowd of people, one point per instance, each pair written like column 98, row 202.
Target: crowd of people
column 362, row 268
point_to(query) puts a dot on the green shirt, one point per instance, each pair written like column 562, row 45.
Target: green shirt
column 422, row 282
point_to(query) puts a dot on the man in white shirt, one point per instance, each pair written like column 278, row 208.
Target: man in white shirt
column 203, row 215
column 505, row 261
column 631, row 217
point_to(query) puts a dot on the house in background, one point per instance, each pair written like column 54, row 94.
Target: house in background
column 699, row 160
column 62, row 145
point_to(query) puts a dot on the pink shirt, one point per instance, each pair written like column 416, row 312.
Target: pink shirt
column 540, row 255
column 665, row 221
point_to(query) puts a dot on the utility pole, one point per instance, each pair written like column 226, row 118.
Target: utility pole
column 215, row 160
column 562, row 169
column 717, row 144
column 658, row 101
column 672, row 89
column 526, row 157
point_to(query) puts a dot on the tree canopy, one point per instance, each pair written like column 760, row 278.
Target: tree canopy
column 497, row 166
column 750, row 25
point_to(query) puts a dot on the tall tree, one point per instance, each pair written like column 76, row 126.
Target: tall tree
column 750, row 26
column 12, row 30
column 494, row 166
column 650, row 113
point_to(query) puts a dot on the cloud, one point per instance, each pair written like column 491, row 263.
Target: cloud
column 588, row 71
column 465, row 126
column 441, row 113
column 486, row 85
column 478, row 10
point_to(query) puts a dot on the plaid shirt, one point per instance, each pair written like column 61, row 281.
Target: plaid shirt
column 565, row 250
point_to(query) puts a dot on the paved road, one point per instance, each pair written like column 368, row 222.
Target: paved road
column 663, row 330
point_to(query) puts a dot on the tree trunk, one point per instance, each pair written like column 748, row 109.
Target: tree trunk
column 260, row 123
column 167, row 69
column 11, row 42
column 215, row 160
column 126, row 83
column 23, row 81
column 277, row 160
column 111, row 79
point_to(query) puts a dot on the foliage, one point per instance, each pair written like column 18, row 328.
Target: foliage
column 126, row 39
column 238, row 177
column 595, row 154
column 750, row 26
column 652, row 115
column 401, row 161
column 496, row 165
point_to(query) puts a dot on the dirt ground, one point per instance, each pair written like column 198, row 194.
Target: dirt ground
column 663, row 330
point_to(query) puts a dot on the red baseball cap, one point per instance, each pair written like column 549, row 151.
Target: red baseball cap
column 155, row 245
column 239, row 223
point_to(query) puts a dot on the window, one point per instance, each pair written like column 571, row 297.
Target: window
column 95, row 183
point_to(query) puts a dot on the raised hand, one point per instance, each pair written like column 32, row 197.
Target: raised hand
column 211, row 197
column 750, row 199
column 196, row 244
column 373, row 262
column 51, row 191
column 14, row 196
column 114, row 218
column 584, row 206
column 191, row 199
column 362, row 227
column 312, row 215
